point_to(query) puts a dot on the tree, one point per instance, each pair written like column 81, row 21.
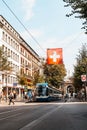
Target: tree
column 4, row 62
column 54, row 74
column 80, row 68
column 78, row 7
column 22, row 80
column 38, row 78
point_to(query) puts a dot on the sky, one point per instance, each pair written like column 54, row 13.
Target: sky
column 46, row 21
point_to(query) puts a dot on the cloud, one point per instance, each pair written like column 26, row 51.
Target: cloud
column 27, row 6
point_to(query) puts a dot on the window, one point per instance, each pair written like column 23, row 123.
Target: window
column 11, row 80
column 6, row 37
column 3, row 36
column 8, row 52
column 8, row 79
column 9, row 40
column 3, row 47
column 11, row 54
column 18, row 48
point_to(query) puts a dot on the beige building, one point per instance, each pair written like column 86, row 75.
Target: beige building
column 22, row 58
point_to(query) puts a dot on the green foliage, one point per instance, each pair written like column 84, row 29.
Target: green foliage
column 4, row 62
column 78, row 7
column 81, row 67
column 22, row 79
column 54, row 74
column 38, row 78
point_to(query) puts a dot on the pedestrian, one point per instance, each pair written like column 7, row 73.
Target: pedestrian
column 0, row 96
column 29, row 95
column 34, row 95
column 11, row 98
column 14, row 94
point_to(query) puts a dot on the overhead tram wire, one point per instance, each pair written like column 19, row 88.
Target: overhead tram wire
column 73, row 40
column 29, row 31
column 23, row 25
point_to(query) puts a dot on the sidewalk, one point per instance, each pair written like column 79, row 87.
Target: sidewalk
column 22, row 102
column 17, row 103
column 72, row 99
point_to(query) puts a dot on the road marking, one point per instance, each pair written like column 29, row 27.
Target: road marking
column 35, row 122
column 14, row 110
column 10, row 111
column 10, row 116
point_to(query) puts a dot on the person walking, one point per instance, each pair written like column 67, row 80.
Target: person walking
column 11, row 98
column 14, row 94
column 29, row 95
column 0, row 96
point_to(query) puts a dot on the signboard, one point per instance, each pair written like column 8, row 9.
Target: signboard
column 83, row 78
column 14, row 84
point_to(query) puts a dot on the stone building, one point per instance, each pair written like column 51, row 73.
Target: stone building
column 21, row 57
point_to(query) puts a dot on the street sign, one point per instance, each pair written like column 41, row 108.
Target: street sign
column 83, row 78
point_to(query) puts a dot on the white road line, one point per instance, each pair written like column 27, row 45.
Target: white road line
column 35, row 122
column 10, row 116
column 14, row 110
column 10, row 111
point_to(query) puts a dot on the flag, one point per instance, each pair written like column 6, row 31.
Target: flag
column 54, row 56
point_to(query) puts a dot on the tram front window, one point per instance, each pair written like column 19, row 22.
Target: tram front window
column 47, row 92
column 41, row 90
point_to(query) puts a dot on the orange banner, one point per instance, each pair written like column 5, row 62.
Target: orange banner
column 54, row 56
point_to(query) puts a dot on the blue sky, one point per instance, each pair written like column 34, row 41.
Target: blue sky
column 46, row 20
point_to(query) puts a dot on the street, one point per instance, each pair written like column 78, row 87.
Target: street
column 44, row 116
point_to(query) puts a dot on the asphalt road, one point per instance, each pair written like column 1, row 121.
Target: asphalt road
column 44, row 116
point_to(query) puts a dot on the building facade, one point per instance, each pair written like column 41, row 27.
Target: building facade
column 22, row 58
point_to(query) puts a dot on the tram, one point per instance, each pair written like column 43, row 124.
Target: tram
column 46, row 93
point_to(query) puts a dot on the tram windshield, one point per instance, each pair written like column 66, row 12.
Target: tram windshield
column 41, row 90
